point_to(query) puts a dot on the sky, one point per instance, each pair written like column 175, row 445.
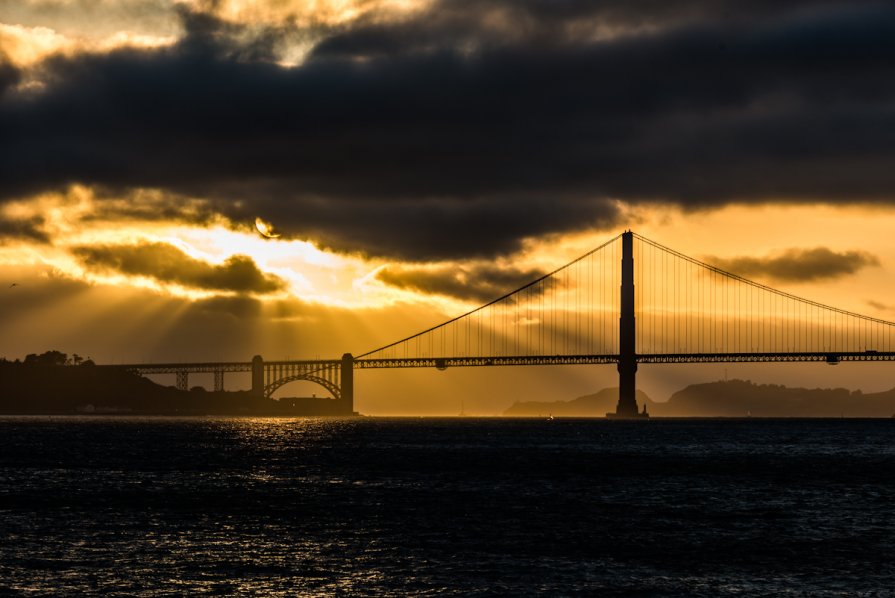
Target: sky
column 418, row 158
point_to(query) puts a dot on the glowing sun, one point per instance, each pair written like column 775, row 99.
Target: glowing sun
column 266, row 229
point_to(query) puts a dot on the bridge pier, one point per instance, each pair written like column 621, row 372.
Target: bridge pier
column 627, row 391
column 258, row 376
column 347, row 383
column 627, row 349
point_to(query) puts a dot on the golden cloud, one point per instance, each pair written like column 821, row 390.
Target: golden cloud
column 302, row 12
column 798, row 265
column 168, row 264
column 27, row 46
column 470, row 282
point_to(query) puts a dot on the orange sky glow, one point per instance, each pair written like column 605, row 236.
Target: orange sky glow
column 166, row 263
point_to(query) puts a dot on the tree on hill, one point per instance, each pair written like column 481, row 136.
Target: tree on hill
column 53, row 358
column 48, row 358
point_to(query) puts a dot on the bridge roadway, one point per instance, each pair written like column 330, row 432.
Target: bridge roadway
column 446, row 362
column 208, row 367
column 472, row 361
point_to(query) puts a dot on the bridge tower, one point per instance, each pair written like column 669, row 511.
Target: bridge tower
column 627, row 350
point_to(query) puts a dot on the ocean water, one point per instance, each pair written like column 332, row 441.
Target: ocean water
column 370, row 506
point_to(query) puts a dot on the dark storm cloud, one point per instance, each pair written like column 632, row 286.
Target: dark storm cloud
column 28, row 228
column 169, row 264
column 495, row 23
column 433, row 228
column 145, row 205
column 9, row 75
column 798, row 265
column 466, row 128
column 480, row 283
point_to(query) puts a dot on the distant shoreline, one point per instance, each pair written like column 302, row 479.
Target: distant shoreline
column 728, row 399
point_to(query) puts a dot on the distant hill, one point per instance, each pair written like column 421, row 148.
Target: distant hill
column 731, row 398
column 738, row 398
column 595, row 405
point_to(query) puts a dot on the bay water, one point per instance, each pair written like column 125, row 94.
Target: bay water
column 136, row 506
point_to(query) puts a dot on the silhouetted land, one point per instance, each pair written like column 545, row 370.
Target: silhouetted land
column 733, row 398
column 54, row 383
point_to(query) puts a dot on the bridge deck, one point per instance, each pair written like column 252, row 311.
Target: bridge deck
column 211, row 366
column 446, row 362
column 473, row 361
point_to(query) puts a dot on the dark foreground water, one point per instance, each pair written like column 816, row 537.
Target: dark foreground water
column 157, row 506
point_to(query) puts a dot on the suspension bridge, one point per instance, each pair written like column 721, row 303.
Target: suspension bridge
column 628, row 301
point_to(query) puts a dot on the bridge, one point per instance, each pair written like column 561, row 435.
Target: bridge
column 628, row 301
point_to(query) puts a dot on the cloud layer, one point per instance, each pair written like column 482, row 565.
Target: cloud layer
column 462, row 129
column 168, row 264
column 478, row 283
column 798, row 265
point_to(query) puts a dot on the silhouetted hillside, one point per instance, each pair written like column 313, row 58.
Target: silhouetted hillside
column 97, row 389
column 732, row 398
column 52, row 384
column 738, row 398
column 595, row 405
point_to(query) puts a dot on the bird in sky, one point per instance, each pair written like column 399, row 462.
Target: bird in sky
column 15, row 284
